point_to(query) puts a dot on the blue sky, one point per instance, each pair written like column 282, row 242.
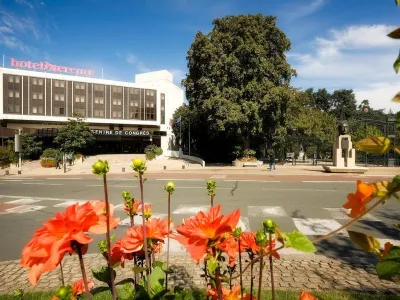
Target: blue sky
column 335, row 44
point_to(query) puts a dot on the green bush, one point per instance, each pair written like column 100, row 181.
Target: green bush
column 6, row 157
column 51, row 153
column 152, row 151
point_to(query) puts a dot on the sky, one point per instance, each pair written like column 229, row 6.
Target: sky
column 335, row 44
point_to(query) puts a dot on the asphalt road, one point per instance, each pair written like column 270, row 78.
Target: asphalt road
column 313, row 207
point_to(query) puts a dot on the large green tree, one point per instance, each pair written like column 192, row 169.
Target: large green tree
column 237, row 75
column 344, row 102
column 75, row 136
column 31, row 147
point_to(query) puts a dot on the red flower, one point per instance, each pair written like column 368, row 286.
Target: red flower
column 358, row 201
column 248, row 243
column 156, row 231
column 307, row 296
column 101, row 226
column 134, row 208
column 118, row 256
column 197, row 231
column 78, row 287
column 227, row 294
column 231, row 248
column 59, row 236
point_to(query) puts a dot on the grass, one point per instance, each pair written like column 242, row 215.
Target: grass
column 199, row 295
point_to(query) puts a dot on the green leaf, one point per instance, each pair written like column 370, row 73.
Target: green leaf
column 299, row 241
column 377, row 145
column 397, row 2
column 389, row 267
column 396, row 65
column 160, row 264
column 127, row 292
column 212, row 265
column 395, row 34
column 366, row 242
column 157, row 278
column 138, row 270
column 103, row 274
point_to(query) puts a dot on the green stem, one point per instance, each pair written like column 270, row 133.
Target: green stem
column 212, row 200
column 169, row 224
column 62, row 274
column 260, row 277
column 251, row 275
column 146, row 253
column 240, row 270
column 113, row 290
column 79, row 248
column 271, row 267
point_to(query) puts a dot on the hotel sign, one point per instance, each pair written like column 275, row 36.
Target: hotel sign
column 121, row 132
column 46, row 66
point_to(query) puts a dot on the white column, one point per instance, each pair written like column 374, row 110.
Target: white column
column 45, row 100
column 51, row 97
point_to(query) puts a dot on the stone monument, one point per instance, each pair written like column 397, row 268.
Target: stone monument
column 344, row 156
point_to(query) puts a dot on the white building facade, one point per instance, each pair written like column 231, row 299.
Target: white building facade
column 125, row 117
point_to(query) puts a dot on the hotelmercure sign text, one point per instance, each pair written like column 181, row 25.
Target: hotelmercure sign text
column 46, row 66
column 121, row 132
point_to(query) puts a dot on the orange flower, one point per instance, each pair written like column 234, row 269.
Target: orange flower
column 248, row 243
column 118, row 256
column 197, row 231
column 100, row 209
column 156, row 231
column 358, row 200
column 307, row 296
column 134, row 208
column 231, row 248
column 227, row 294
column 59, row 236
column 147, row 211
column 78, row 287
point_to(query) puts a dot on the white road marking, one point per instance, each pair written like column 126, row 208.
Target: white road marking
column 68, row 203
column 266, row 211
column 218, row 177
column 23, row 201
column 244, row 223
column 19, row 178
column 138, row 219
column 342, row 214
column 12, row 179
column 304, row 190
column 66, row 178
column 317, row 226
column 180, row 179
column 39, row 183
column 330, row 181
column 190, row 209
column 199, row 187
column 113, row 186
column 41, row 198
column 245, row 180
column 24, row 208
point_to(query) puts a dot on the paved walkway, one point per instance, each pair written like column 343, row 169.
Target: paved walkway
column 291, row 272
column 174, row 165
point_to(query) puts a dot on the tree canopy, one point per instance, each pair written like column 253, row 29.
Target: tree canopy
column 75, row 136
column 235, row 73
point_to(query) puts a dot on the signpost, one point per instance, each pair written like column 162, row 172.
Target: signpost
column 18, row 148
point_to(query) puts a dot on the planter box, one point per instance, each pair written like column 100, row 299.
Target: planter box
column 237, row 163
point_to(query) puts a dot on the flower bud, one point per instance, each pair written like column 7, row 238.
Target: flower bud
column 237, row 232
column 170, row 185
column 100, row 167
column 261, row 238
column 269, row 226
column 137, row 162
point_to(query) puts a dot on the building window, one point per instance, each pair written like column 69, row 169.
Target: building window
column 34, row 109
column 10, row 78
column 41, row 96
column 82, row 86
column 162, row 108
column 77, row 98
column 117, row 102
column 10, row 108
column 82, row 99
column 101, row 101
column 56, row 97
column 61, row 110
column 34, row 95
column 16, row 79
column 40, row 110
column 34, row 81
column 62, row 84
column 40, row 81
column 16, row 94
column 10, row 94
column 96, row 100
column 56, row 83
column 114, row 114
column 16, row 108
column 99, row 113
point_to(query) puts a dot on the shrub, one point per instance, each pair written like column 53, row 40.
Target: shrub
column 51, row 153
column 152, row 151
column 48, row 162
column 6, row 157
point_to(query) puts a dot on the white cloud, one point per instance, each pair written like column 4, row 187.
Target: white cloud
column 358, row 58
column 131, row 59
column 24, row 2
column 300, row 11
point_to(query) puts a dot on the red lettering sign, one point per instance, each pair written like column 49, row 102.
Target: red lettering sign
column 46, row 66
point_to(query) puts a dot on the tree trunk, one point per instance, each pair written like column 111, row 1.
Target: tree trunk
column 246, row 143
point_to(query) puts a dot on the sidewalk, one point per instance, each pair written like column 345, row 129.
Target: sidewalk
column 295, row 272
column 167, row 165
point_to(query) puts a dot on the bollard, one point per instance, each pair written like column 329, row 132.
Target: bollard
column 183, row 167
column 165, row 167
column 123, row 169
column 19, row 172
column 7, row 172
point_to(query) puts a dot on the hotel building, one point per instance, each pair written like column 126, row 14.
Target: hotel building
column 125, row 117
